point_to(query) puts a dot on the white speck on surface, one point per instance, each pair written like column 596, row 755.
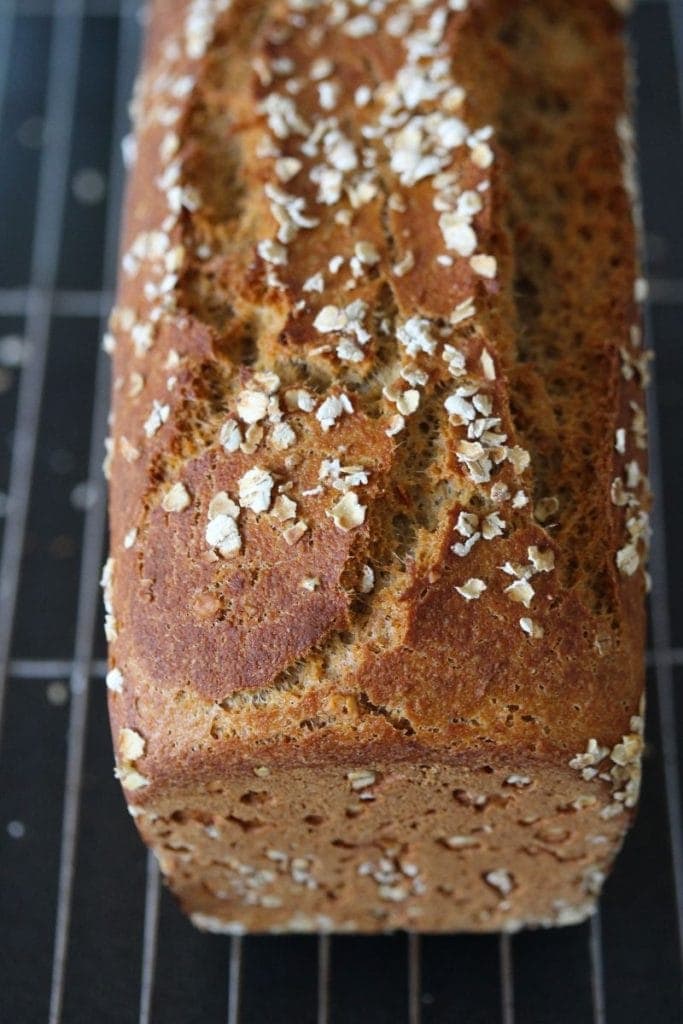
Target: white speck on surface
column 347, row 512
column 501, row 880
column 531, row 628
column 255, row 490
column 360, row 26
column 57, row 693
column 361, row 779
column 518, row 780
column 485, row 266
column 230, row 436
column 222, row 505
column 13, row 351
column 472, row 589
column 460, row 842
column 85, row 495
column 331, row 409
column 223, row 534
column 367, row 581
column 89, row 186
column 176, row 499
column 114, row 680
column 252, row 406
column 130, row 538
column 157, row 417
column 131, row 744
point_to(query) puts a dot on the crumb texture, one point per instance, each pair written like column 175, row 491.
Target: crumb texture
column 432, row 848
column 377, row 463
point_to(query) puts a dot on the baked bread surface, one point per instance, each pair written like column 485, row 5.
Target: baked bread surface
column 378, row 504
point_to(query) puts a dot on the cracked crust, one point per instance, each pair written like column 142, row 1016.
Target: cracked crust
column 377, row 460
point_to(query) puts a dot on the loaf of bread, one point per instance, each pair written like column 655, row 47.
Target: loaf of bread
column 378, row 503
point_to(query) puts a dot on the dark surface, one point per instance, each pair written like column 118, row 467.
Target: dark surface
column 33, row 751
column 460, row 979
column 80, row 264
column 21, row 131
column 640, row 947
column 554, row 974
column 45, row 621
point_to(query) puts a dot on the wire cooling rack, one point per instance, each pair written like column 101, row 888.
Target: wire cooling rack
column 86, row 932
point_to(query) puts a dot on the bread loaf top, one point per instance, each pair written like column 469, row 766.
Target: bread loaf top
column 377, row 461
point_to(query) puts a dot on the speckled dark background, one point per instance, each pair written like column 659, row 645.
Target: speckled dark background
column 78, row 902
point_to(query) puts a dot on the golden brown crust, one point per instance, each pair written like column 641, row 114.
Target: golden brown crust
column 378, row 442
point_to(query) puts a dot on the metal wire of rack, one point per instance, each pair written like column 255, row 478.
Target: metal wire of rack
column 88, row 934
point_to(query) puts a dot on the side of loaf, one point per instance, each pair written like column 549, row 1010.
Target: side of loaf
column 378, row 496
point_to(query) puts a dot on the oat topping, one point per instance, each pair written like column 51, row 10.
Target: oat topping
column 520, row 781
column 473, row 529
column 367, row 582
column 255, row 490
column 342, row 478
column 315, row 283
column 493, row 526
column 222, row 533
column 115, row 680
column 106, row 583
column 461, row 842
column 521, row 591
column 487, row 365
column 230, row 436
column 531, row 628
column 404, row 265
column 472, row 589
column 332, row 408
column 361, row 25
column 366, row 253
column 156, row 419
column 348, row 512
column 546, row 508
column 641, row 290
column 283, row 508
column 542, row 561
column 222, row 505
column 625, row 772
column 252, row 405
column 287, row 167
column 131, row 745
column 415, row 334
column 293, row 534
column 486, row 266
column 593, row 755
column 272, row 252
column 199, row 25
column 396, row 425
column 348, row 324
column 108, row 343
column 130, row 778
column 630, row 557
column 620, row 441
column 361, row 779
column 176, row 499
column 501, row 880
